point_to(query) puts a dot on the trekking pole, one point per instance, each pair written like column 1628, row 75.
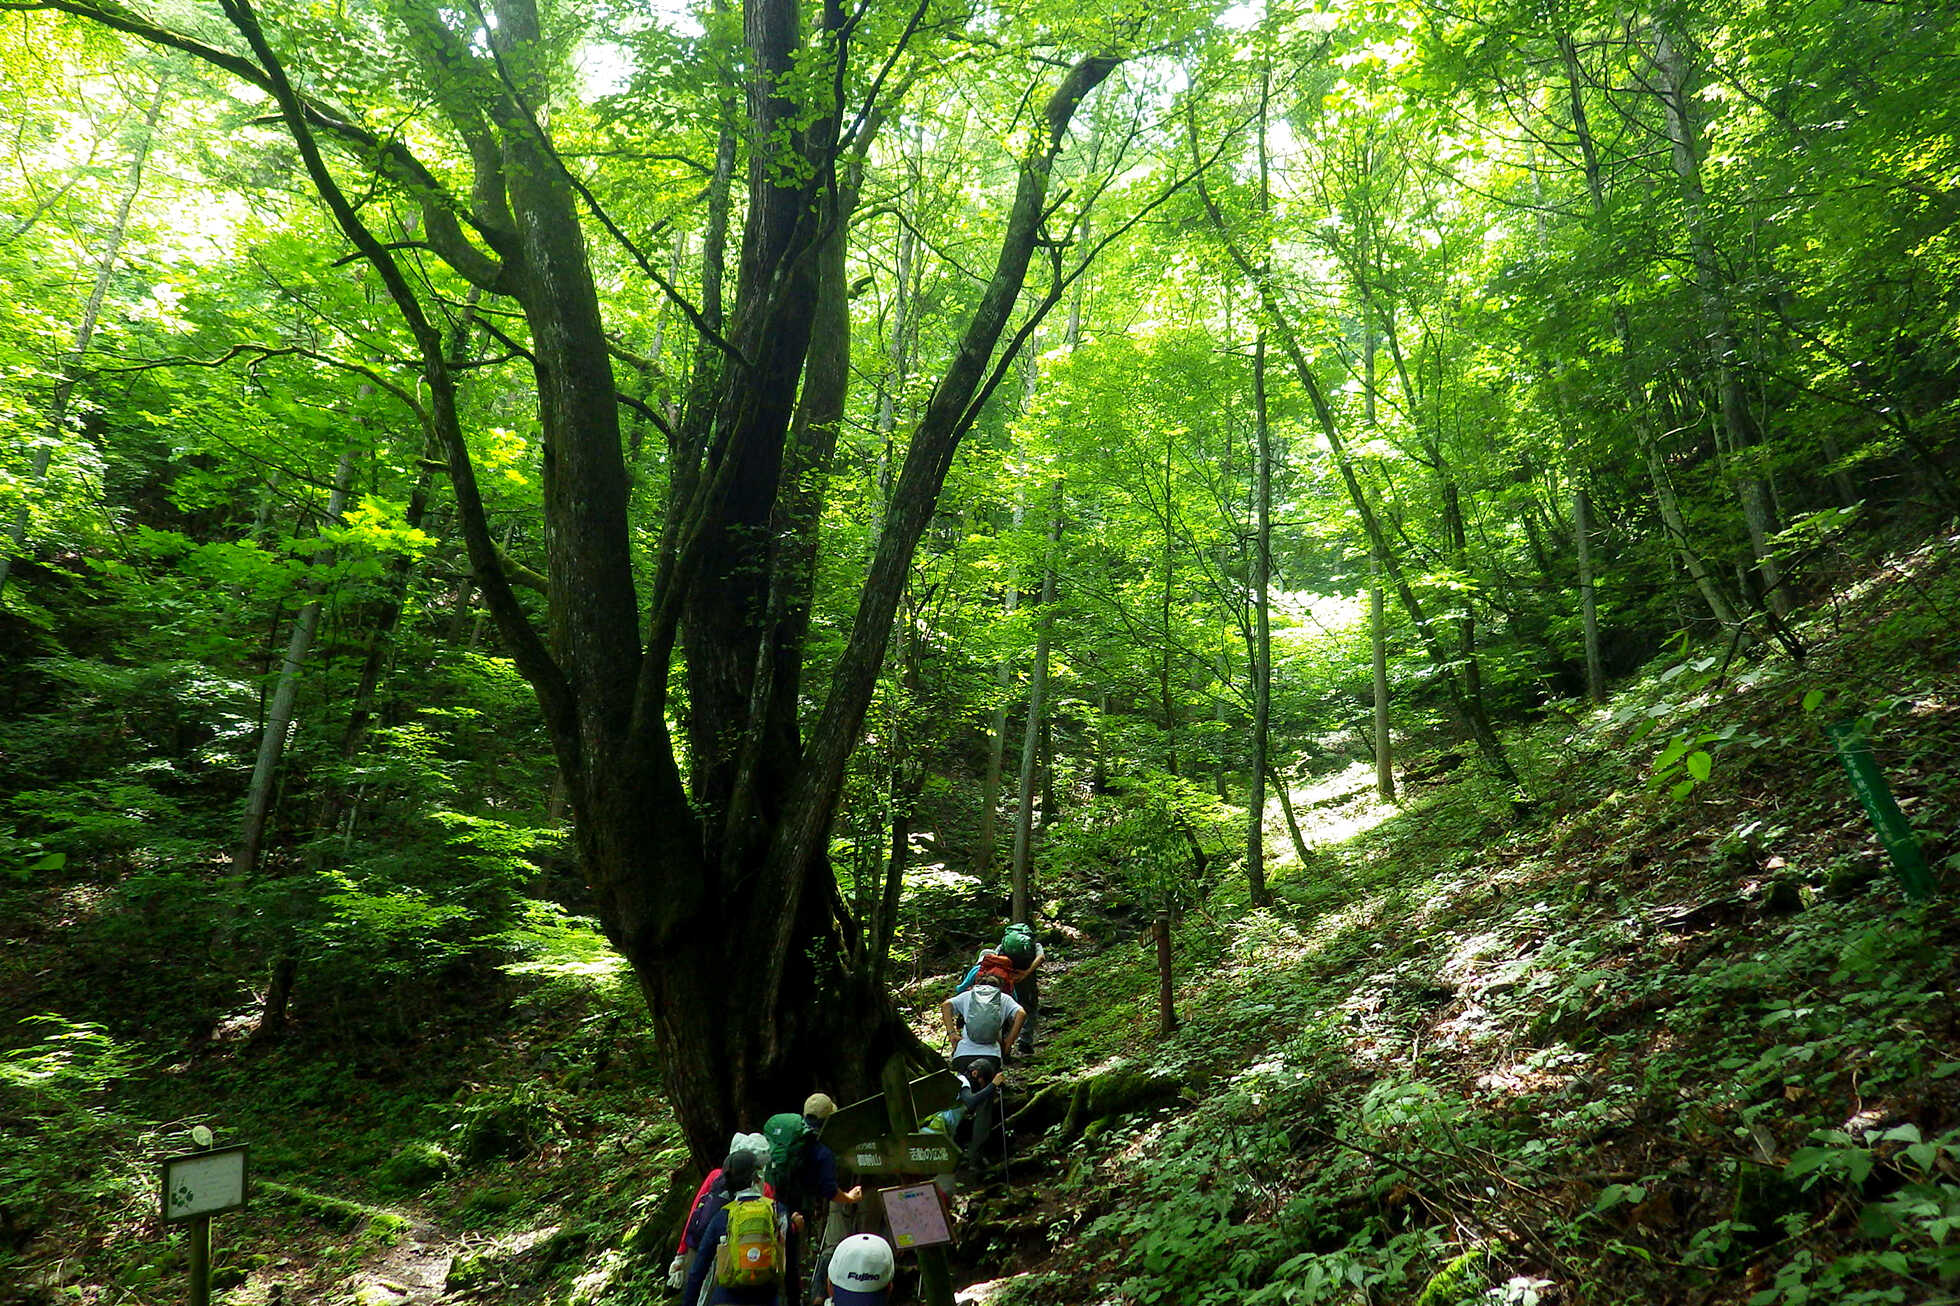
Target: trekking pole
column 1006, row 1171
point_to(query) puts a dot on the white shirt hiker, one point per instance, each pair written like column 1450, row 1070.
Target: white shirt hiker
column 963, row 1003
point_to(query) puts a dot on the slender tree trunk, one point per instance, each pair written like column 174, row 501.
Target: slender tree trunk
column 1378, row 640
column 1743, row 454
column 105, row 271
column 1262, row 634
column 983, row 853
column 1588, row 603
column 1636, row 398
column 381, row 639
column 1468, row 708
column 1293, row 833
column 1031, row 738
column 1160, row 930
column 279, row 717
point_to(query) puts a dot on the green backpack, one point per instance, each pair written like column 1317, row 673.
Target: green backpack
column 789, row 1136
column 1018, row 942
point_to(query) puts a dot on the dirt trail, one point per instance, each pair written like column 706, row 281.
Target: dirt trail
column 410, row 1272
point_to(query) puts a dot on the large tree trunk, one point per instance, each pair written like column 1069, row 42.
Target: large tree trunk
column 105, row 271
column 727, row 860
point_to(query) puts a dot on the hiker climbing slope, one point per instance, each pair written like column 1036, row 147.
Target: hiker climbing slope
column 1024, row 955
column 715, row 1192
column 980, row 1086
column 804, row 1171
column 980, row 1021
column 743, row 1252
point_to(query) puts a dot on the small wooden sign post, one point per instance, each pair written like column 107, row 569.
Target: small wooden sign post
column 880, row 1138
column 196, row 1186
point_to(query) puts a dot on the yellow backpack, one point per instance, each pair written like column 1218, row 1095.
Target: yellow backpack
column 751, row 1256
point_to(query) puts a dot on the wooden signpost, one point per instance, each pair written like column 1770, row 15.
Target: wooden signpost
column 880, row 1138
column 196, row 1186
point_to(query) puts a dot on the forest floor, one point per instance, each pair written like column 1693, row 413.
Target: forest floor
column 1675, row 1036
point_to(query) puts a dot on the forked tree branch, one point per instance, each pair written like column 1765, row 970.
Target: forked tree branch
column 527, row 647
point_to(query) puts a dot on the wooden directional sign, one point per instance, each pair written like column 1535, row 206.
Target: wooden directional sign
column 203, row 1183
column 860, row 1122
column 915, row 1154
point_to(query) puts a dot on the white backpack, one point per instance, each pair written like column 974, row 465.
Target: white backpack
column 986, row 1012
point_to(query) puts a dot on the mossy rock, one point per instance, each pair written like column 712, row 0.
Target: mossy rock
column 471, row 1270
column 416, row 1167
column 227, row 1276
column 1118, row 1092
column 1851, row 878
column 333, row 1212
column 492, row 1201
column 568, row 1242
column 1461, row 1280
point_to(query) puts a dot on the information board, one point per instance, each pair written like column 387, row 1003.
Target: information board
column 203, row 1183
column 917, row 1216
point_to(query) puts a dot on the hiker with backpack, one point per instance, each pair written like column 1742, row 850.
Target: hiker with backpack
column 713, row 1194
column 804, row 1171
column 980, row 1086
column 981, row 1021
column 742, row 1255
column 1024, row 955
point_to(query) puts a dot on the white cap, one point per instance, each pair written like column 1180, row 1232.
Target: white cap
column 755, row 1144
column 861, row 1266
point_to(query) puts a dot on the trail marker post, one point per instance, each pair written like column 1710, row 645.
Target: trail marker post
column 880, row 1137
column 197, row 1185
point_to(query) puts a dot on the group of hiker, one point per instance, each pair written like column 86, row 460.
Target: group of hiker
column 751, row 1215
column 992, row 1010
column 743, row 1234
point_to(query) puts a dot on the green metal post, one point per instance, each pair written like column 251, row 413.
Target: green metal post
column 1901, row 844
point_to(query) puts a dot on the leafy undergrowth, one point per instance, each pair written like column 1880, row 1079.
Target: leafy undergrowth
column 509, row 1149
column 1678, row 1037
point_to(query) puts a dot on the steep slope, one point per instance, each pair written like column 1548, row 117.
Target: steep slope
column 1679, row 1038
